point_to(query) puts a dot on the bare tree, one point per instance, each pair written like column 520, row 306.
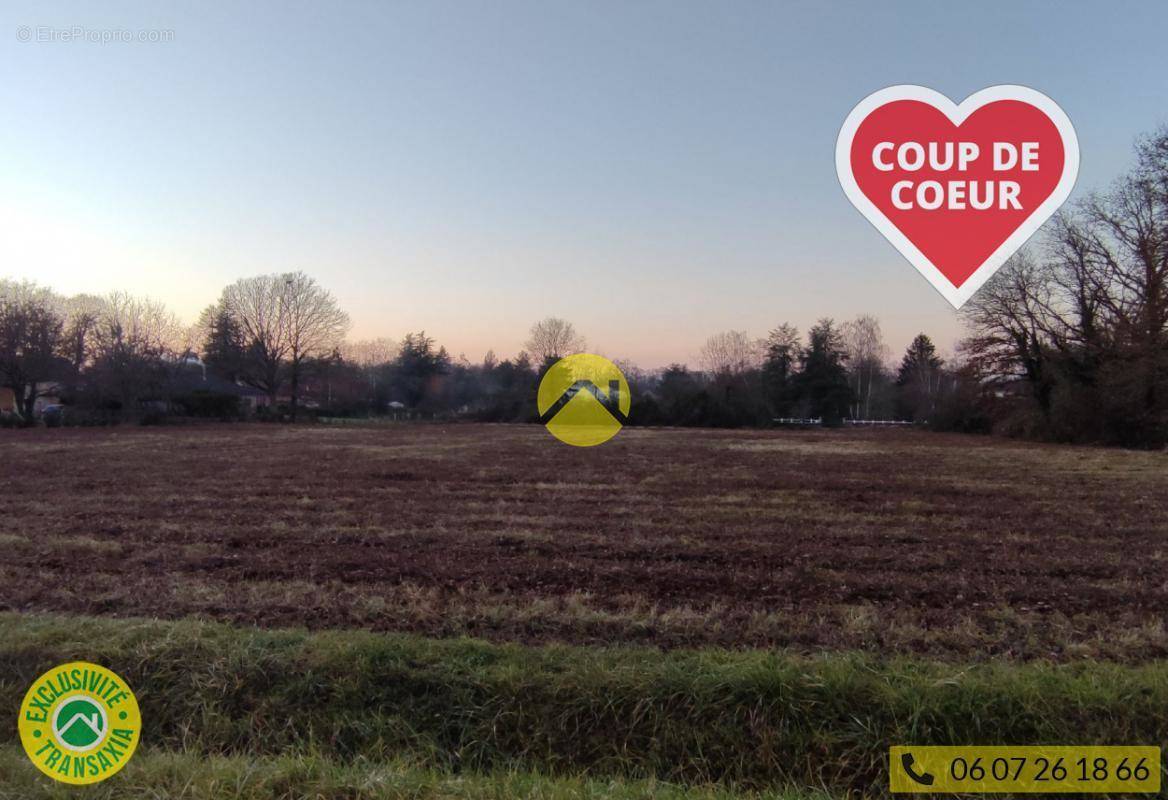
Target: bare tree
column 1015, row 327
column 82, row 314
column 284, row 319
column 553, row 338
column 134, row 340
column 372, row 357
column 142, row 323
column 1083, row 320
column 315, row 325
column 370, row 353
column 730, row 353
column 31, row 331
column 864, row 344
column 256, row 306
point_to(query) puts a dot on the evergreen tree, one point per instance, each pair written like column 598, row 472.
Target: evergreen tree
column 679, row 390
column 225, row 350
column 418, row 368
column 919, row 379
column 822, row 383
column 780, row 367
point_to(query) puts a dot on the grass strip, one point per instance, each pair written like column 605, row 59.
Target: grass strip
column 163, row 775
column 754, row 719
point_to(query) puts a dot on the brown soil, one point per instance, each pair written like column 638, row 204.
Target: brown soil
column 883, row 540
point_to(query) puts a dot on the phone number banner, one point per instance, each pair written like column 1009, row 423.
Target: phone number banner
column 1069, row 769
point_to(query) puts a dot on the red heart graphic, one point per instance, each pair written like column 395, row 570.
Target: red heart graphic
column 957, row 189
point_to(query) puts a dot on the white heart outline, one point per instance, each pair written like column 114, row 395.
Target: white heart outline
column 957, row 113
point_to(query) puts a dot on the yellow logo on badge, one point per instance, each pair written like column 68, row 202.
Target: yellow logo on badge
column 79, row 723
column 584, row 400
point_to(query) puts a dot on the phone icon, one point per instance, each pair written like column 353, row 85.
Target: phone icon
column 923, row 778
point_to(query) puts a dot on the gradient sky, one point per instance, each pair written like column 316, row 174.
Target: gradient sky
column 654, row 172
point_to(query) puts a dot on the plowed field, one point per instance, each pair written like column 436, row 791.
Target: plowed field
column 890, row 541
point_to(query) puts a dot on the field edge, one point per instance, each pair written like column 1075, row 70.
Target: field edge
column 749, row 719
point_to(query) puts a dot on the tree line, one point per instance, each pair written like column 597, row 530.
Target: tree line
column 1080, row 321
column 1068, row 341
column 282, row 336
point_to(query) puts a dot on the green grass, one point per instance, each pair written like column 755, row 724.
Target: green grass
column 162, row 775
column 741, row 719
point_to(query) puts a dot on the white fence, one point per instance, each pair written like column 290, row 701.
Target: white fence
column 872, row 423
column 879, row 422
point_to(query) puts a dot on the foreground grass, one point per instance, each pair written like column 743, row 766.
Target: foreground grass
column 750, row 719
column 184, row 776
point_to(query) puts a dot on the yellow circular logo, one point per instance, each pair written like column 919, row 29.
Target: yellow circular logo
column 79, row 723
column 583, row 400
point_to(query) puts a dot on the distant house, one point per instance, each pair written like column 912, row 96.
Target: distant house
column 286, row 400
column 46, row 396
column 1002, row 388
column 199, row 392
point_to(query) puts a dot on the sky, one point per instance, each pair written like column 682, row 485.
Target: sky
column 653, row 172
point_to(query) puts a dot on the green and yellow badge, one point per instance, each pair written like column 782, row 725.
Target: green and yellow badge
column 79, row 723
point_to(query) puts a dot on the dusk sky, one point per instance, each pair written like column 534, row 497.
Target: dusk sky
column 653, row 172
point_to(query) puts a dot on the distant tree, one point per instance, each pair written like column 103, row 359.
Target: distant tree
column 678, row 390
column 966, row 398
column 779, row 368
column 31, row 338
column 256, row 307
column 866, row 354
column 1081, row 321
column 1016, row 333
column 336, row 384
column 370, row 353
column 920, row 378
column 553, row 338
column 224, row 349
column 418, row 369
column 285, row 319
column 135, row 341
column 372, row 357
column 822, row 383
column 82, row 315
column 315, row 325
column 509, row 391
column 463, row 388
column 730, row 353
column 734, row 395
